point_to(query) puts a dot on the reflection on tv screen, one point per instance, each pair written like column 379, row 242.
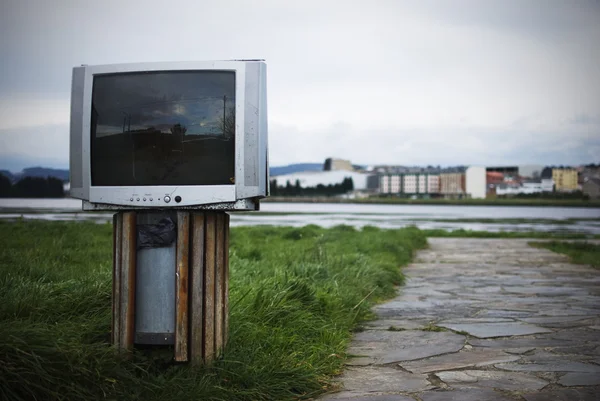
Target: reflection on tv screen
column 163, row 128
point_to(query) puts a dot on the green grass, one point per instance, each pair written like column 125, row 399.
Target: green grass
column 580, row 252
column 460, row 233
column 433, row 327
column 296, row 294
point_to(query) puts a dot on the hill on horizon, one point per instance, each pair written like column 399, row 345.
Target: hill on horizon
column 295, row 168
column 63, row 174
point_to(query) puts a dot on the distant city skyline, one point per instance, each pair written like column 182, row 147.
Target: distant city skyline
column 415, row 82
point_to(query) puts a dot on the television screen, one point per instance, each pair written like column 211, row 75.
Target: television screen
column 163, row 128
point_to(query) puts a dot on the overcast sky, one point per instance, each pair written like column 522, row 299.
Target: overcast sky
column 378, row 81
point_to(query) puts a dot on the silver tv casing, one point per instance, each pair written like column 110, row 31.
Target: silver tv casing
column 251, row 144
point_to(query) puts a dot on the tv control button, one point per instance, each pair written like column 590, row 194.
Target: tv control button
column 131, row 199
column 138, row 199
column 150, row 199
column 144, row 199
column 167, row 199
column 178, row 199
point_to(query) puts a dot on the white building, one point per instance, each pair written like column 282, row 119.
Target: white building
column 547, row 185
column 475, row 185
column 433, row 184
column 525, row 188
column 409, row 183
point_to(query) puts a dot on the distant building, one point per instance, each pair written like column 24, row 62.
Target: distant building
column 506, row 170
column 547, row 185
column 452, row 183
column 516, row 189
column 531, row 171
column 475, row 182
column 332, row 164
column 415, row 181
column 591, row 187
column 565, row 179
column 591, row 170
column 492, row 180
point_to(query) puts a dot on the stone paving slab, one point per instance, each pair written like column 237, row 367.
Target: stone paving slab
column 482, row 319
column 385, row 347
column 583, row 394
column 491, row 330
column 383, row 397
column 466, row 395
column 492, row 379
column 580, row 379
column 459, row 360
column 380, row 379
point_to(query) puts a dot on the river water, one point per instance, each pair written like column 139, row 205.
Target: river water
column 507, row 218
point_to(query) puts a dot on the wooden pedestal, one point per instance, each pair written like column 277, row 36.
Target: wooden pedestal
column 201, row 291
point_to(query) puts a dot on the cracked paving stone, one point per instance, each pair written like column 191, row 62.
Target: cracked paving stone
column 468, row 320
column 398, row 324
column 569, row 394
column 580, row 379
column 550, row 366
column 492, row 379
column 465, row 395
column 380, row 379
column 349, row 396
column 459, row 360
column 490, row 330
column 540, row 342
column 543, row 320
column 395, row 346
column 503, row 314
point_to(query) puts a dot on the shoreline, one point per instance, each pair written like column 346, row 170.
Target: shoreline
column 438, row 202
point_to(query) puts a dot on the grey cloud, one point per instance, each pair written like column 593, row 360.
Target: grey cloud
column 586, row 119
column 405, row 80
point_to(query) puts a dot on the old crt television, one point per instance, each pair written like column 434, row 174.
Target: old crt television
column 169, row 135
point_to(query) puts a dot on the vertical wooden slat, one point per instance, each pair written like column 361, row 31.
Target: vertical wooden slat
column 196, row 290
column 226, row 280
column 181, row 287
column 209, row 288
column 116, row 283
column 219, row 280
column 127, row 287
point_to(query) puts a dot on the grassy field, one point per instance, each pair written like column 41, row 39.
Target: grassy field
column 296, row 294
column 579, row 252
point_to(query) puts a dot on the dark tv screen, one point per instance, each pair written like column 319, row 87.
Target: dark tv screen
column 163, row 128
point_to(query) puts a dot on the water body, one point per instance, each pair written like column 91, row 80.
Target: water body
column 495, row 218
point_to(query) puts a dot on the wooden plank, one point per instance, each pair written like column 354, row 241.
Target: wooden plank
column 209, row 288
column 226, row 280
column 181, row 287
column 196, row 290
column 116, row 279
column 127, row 290
column 219, row 280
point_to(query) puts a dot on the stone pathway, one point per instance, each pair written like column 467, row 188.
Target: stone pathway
column 482, row 319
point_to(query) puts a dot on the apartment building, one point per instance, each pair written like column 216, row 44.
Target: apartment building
column 421, row 182
column 453, row 182
column 565, row 179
